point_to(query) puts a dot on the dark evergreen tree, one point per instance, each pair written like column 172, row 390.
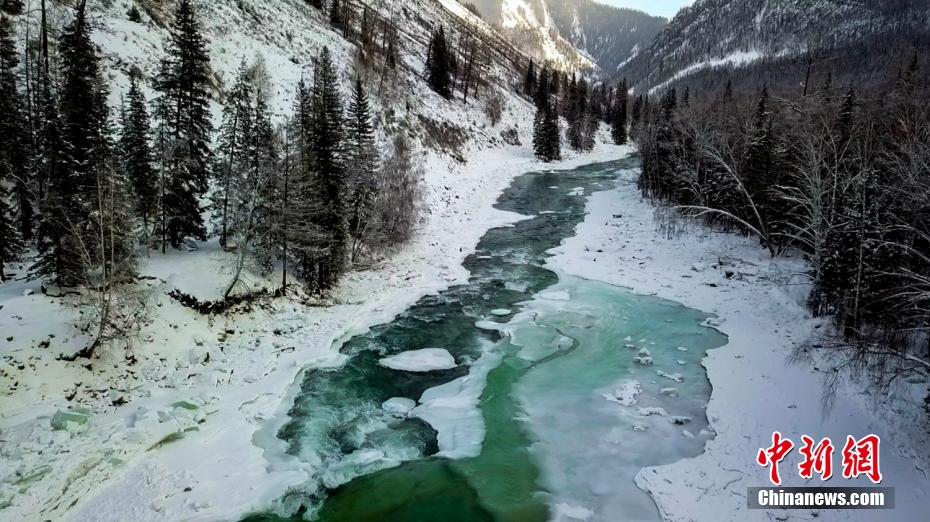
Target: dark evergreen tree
column 529, row 82
column 233, row 155
column 326, row 145
column 546, row 134
column 134, row 15
column 541, row 97
column 619, row 115
column 183, row 110
column 136, row 149
column 14, row 140
column 335, row 14
column 439, row 64
column 362, row 163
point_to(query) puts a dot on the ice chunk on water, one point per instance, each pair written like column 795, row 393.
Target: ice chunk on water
column 566, row 511
column 452, row 410
column 669, row 392
column 500, row 312
column 625, row 394
column 653, row 410
column 425, row 360
column 677, row 377
column 400, row 406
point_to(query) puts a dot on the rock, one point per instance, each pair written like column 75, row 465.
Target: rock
column 198, row 339
column 28, row 292
column 698, row 267
column 399, row 406
column 644, row 353
column 669, row 392
column 640, row 427
column 654, row 410
column 70, row 420
column 643, row 361
column 679, row 420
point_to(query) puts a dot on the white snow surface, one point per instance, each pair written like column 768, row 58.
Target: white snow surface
column 756, row 387
column 425, row 360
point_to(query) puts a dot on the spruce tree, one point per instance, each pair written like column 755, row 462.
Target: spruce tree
column 74, row 151
column 13, row 153
column 440, row 64
column 529, row 83
column 326, row 141
column 335, row 14
column 232, row 154
column 136, row 150
column 619, row 115
column 183, row 111
column 552, row 134
column 362, row 162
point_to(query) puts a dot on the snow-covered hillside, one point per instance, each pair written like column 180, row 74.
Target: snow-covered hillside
column 573, row 34
column 721, row 33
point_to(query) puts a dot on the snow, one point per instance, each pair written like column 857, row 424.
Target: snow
column 399, row 406
column 425, row 360
column 756, row 387
column 625, row 394
column 734, row 59
column 452, row 410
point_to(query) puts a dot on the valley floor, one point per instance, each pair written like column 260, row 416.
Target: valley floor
column 190, row 441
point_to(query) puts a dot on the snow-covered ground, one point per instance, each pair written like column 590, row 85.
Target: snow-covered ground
column 756, row 389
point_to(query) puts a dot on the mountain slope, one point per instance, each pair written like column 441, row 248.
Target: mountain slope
column 573, row 33
column 728, row 33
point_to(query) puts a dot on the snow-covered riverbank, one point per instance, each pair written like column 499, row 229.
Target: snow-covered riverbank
column 756, row 390
column 179, row 433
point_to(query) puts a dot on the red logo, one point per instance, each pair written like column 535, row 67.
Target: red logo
column 773, row 455
column 860, row 457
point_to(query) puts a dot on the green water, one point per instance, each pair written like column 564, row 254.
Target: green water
column 541, row 436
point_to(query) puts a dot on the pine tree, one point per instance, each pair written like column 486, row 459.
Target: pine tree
column 541, row 96
column 529, row 83
column 619, row 115
column 552, row 134
column 335, row 14
column 183, row 111
column 235, row 135
column 362, row 162
column 440, row 64
column 13, row 154
column 326, row 142
column 136, row 150
column 74, row 151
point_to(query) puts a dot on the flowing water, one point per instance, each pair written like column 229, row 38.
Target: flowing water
column 564, row 389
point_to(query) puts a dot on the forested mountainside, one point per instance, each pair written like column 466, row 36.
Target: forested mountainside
column 853, row 38
column 559, row 29
column 612, row 36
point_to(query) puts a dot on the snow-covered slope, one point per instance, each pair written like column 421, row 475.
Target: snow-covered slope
column 576, row 33
column 529, row 23
column 717, row 33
